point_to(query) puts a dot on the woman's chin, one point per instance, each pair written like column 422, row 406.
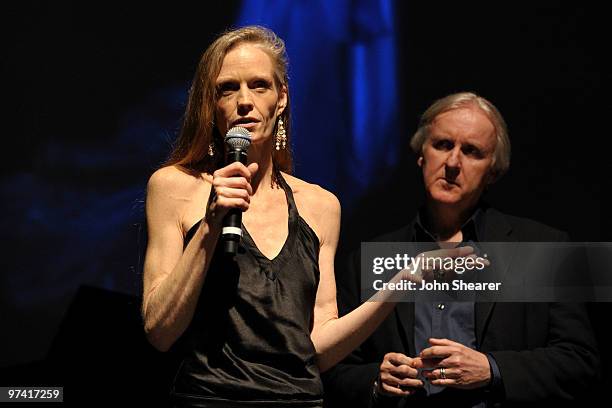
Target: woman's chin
column 259, row 139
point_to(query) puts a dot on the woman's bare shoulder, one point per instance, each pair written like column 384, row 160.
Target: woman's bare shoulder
column 175, row 179
column 312, row 194
column 178, row 194
column 319, row 207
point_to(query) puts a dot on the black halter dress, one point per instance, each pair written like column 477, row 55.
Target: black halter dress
column 249, row 341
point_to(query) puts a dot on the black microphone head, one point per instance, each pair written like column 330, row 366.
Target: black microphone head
column 238, row 138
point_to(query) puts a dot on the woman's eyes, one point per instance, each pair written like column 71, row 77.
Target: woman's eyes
column 260, row 84
column 227, row 88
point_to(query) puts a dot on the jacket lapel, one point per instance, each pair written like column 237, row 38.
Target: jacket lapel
column 404, row 311
column 496, row 229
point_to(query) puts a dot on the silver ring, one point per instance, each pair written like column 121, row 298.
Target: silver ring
column 442, row 373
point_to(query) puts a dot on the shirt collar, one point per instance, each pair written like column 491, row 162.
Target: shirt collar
column 472, row 228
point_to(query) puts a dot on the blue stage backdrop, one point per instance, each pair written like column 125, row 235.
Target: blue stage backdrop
column 343, row 87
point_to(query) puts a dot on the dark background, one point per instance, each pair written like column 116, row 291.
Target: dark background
column 93, row 97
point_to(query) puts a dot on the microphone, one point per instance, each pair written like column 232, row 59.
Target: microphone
column 237, row 140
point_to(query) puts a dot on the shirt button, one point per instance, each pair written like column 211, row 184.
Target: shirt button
column 441, row 306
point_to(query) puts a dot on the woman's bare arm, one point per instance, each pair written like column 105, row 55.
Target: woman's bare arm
column 333, row 337
column 173, row 278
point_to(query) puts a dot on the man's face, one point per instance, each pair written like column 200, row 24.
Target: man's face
column 457, row 157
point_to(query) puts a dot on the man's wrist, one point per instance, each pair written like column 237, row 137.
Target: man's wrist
column 377, row 391
column 380, row 399
column 376, row 388
column 494, row 385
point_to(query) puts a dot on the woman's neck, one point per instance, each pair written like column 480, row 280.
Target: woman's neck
column 261, row 155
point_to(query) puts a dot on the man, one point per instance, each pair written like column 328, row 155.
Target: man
column 464, row 353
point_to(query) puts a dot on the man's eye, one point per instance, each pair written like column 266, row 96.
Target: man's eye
column 472, row 151
column 443, row 145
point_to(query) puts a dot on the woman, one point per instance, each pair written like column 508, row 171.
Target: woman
column 258, row 328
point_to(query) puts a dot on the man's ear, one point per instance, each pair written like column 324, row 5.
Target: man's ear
column 491, row 177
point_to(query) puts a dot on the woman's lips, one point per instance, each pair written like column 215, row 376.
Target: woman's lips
column 247, row 123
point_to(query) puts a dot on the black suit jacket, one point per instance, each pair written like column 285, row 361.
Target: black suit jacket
column 544, row 351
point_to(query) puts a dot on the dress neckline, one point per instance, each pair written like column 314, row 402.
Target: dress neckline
column 247, row 239
column 292, row 221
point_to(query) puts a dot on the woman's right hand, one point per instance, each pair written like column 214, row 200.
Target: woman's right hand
column 231, row 188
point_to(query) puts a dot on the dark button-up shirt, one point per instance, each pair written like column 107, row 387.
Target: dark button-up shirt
column 447, row 319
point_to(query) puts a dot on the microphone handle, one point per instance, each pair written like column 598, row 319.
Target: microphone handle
column 232, row 222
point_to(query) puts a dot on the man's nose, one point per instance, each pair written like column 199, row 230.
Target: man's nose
column 453, row 162
column 245, row 102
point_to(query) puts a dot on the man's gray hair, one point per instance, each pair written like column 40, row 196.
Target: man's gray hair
column 501, row 156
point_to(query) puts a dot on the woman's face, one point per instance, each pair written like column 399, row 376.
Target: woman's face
column 247, row 93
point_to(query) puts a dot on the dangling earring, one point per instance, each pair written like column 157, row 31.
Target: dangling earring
column 281, row 135
column 211, row 146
